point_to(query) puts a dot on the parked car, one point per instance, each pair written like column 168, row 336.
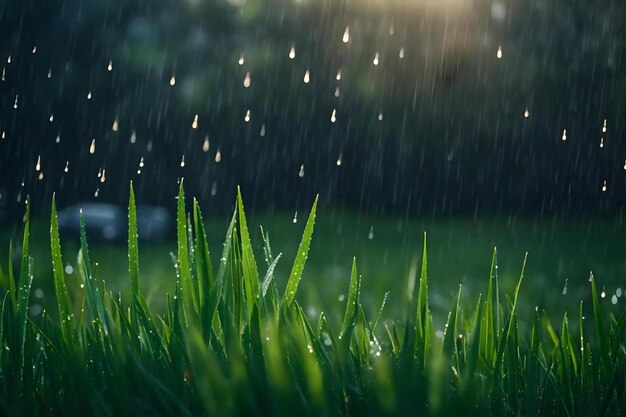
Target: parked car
column 109, row 223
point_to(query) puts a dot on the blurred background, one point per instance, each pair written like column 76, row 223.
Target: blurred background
column 483, row 122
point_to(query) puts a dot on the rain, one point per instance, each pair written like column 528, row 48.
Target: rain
column 484, row 123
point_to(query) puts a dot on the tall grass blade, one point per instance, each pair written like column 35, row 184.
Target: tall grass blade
column 66, row 312
column 301, row 256
column 133, row 244
column 250, row 272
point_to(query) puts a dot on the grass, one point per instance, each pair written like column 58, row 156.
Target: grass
column 231, row 342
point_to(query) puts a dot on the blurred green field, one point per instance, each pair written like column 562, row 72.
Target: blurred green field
column 387, row 249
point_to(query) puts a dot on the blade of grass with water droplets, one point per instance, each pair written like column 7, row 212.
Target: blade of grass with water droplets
column 66, row 312
column 133, row 244
column 250, row 272
column 301, row 256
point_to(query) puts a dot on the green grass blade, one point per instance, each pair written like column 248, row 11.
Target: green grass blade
column 216, row 294
column 349, row 319
column 93, row 294
column 301, row 256
column 133, row 244
column 66, row 312
column 250, row 272
column 449, row 338
column 600, row 330
column 204, row 267
column 269, row 275
column 190, row 303
column 422, row 311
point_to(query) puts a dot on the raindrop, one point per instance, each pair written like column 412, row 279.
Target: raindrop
column 499, row 53
column 241, row 60
column 67, row 166
column 141, row 163
column 97, row 192
column 4, row 74
column 247, row 116
column 205, row 145
column 15, row 102
column 58, row 138
column 133, row 137
column 110, row 66
column 89, row 95
column 103, row 176
column 34, row 49
column 194, row 124
column 565, row 288
column 214, row 188
column 50, row 73
column 295, row 217
column 92, row 147
column 337, row 92
column 604, row 126
column 307, row 77
column 40, row 176
column 614, row 299
column 262, row 130
column 618, row 292
column 333, row 116
column 338, row 76
column 51, row 118
column 603, row 293
column 116, row 125
column 346, row 35
column 292, row 53
column 564, row 136
column 370, row 236
column 182, row 162
column 401, row 53
column 218, row 156
column 339, row 161
column 4, row 136
column 380, row 116
column 375, row 61
column 173, row 80
column 604, row 186
column 301, row 173
column 526, row 113
column 246, row 80
column 601, row 142
column 625, row 164
column 9, row 59
column 38, row 164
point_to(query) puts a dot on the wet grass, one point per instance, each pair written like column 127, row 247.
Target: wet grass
column 233, row 338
